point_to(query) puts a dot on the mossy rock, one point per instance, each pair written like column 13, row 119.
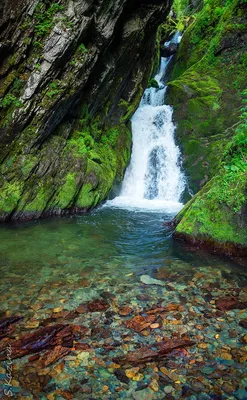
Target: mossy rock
column 206, row 85
column 217, row 215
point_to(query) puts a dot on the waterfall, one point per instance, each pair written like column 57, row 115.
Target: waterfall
column 154, row 179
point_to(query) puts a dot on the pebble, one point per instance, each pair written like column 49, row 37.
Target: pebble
column 154, row 385
column 154, row 326
column 147, row 280
column 168, row 389
column 130, row 373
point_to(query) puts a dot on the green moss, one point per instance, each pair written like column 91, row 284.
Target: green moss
column 27, row 164
column 153, row 83
column 205, row 87
column 110, row 137
column 9, row 101
column 10, row 194
column 210, row 216
column 217, row 212
column 86, row 197
column 67, row 192
column 38, row 204
column 130, row 107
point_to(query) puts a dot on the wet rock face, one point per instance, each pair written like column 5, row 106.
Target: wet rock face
column 69, row 72
column 170, row 50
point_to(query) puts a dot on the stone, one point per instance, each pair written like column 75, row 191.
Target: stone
column 125, row 311
column 244, row 339
column 152, row 353
column 147, row 280
column 168, row 389
column 32, row 324
column 95, row 306
column 84, row 358
column 169, row 50
column 154, row 385
column 154, row 326
column 226, row 356
column 138, row 377
column 58, row 309
column 202, row 345
column 230, row 303
column 53, row 356
column 121, row 376
column 130, row 373
column 42, row 339
column 243, row 323
column 86, row 389
column 139, row 323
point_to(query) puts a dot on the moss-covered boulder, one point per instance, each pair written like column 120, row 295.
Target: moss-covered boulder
column 216, row 217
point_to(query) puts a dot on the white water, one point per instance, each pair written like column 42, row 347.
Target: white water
column 154, row 179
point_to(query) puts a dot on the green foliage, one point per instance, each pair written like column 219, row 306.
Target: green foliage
column 181, row 7
column 153, row 83
column 82, row 49
column 10, row 100
column 81, row 142
column 110, row 137
column 37, row 66
column 54, row 89
column 44, row 18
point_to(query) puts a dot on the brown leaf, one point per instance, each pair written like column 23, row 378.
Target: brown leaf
column 151, row 353
column 139, row 323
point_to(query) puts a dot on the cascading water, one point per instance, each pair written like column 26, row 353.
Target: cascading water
column 154, row 178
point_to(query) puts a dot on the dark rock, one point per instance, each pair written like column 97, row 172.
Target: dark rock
column 86, row 389
column 83, row 347
column 141, row 386
column 121, row 376
column 169, row 50
column 93, row 306
column 83, row 381
column 7, row 325
column 50, row 388
column 243, row 323
column 230, row 303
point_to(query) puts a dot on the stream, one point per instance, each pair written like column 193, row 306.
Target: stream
column 119, row 282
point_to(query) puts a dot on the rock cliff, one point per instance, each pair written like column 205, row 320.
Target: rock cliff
column 71, row 75
column 208, row 91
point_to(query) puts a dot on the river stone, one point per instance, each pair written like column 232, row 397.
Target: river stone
column 168, row 389
column 147, row 280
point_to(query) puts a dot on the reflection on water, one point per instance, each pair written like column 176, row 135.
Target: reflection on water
column 51, row 267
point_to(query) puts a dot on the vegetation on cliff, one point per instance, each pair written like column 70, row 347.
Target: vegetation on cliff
column 207, row 89
column 72, row 73
column 206, row 85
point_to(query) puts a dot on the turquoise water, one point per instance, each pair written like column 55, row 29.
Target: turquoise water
column 53, row 266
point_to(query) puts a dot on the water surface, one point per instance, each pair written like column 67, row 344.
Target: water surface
column 53, row 266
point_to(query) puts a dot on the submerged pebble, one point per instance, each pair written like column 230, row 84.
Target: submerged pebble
column 147, row 280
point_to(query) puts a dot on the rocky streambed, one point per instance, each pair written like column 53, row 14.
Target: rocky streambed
column 181, row 334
